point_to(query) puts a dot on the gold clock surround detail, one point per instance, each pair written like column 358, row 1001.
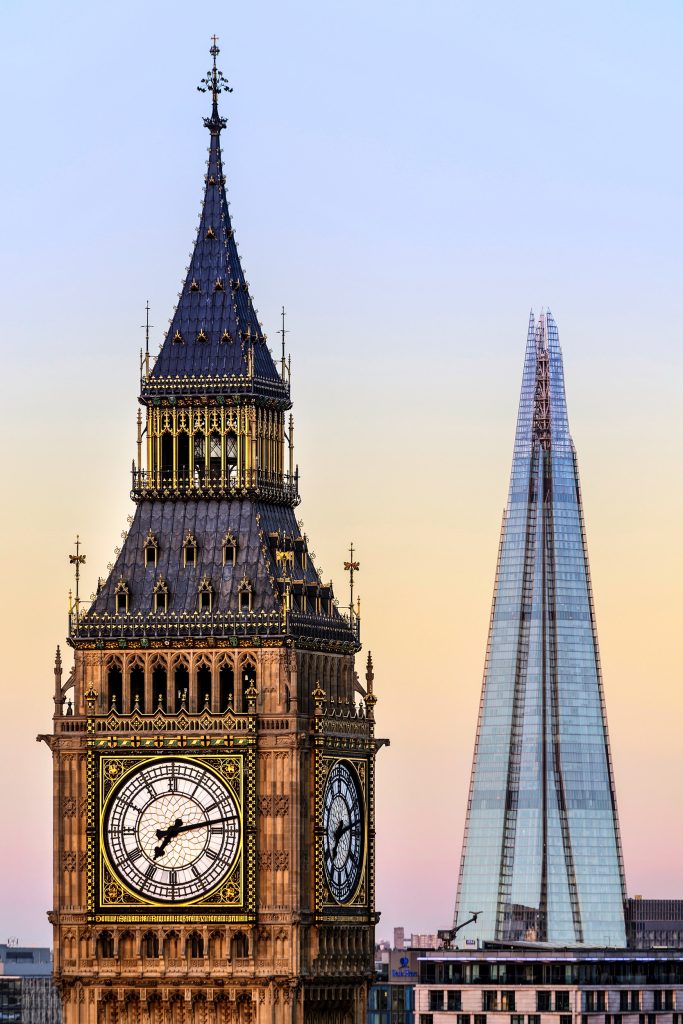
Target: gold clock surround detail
column 110, row 899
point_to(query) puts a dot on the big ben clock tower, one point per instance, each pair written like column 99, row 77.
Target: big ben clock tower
column 213, row 747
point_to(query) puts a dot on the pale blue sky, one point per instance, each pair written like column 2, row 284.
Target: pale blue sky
column 409, row 179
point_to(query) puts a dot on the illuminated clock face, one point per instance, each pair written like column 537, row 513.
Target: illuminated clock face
column 344, row 831
column 172, row 830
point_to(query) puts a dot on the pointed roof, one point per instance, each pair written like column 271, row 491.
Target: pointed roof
column 215, row 342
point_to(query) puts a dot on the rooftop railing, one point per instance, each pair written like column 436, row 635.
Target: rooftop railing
column 228, row 627
column 272, row 488
column 153, row 387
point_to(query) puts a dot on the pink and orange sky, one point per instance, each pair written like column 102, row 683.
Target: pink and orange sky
column 409, row 180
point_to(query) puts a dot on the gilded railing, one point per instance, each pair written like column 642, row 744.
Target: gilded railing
column 233, row 384
column 277, row 488
column 228, row 627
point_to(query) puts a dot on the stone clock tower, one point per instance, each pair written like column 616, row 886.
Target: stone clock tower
column 213, row 747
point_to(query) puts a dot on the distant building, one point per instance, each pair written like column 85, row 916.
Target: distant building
column 27, row 993
column 654, row 924
column 537, row 984
column 399, row 938
column 541, row 857
column 25, row 960
column 392, row 998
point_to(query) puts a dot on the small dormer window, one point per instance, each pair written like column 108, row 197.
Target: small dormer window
column 212, row 180
column 210, row 233
column 205, row 595
column 160, row 595
column 218, row 287
column 202, row 335
column 225, row 336
column 151, row 550
column 189, row 549
column 178, row 338
column 244, row 594
column 229, row 549
column 121, row 595
column 194, row 287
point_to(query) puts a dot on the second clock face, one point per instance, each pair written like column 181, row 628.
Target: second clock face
column 343, row 820
column 172, row 830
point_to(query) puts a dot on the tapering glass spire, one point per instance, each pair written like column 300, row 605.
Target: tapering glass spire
column 541, row 854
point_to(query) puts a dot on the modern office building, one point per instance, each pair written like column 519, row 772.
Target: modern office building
column 541, row 854
column 546, row 985
column 27, row 992
column 652, row 924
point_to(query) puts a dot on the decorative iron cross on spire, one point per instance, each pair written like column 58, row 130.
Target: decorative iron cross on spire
column 351, row 567
column 78, row 560
column 214, row 82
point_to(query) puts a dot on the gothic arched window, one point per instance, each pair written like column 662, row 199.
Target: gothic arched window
column 239, row 946
column 189, row 549
column 231, row 458
column 205, row 595
column 159, row 688
column 229, row 549
column 121, row 595
column 215, row 456
column 167, row 458
column 160, row 595
column 244, row 594
column 226, row 687
column 199, row 456
column 204, row 686
column 194, row 947
column 115, row 688
column 183, row 458
column 149, row 945
column 151, row 549
column 137, row 686
column 105, row 946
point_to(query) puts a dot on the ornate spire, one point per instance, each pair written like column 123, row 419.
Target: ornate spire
column 214, row 82
column 215, row 344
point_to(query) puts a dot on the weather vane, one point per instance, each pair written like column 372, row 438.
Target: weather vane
column 78, row 560
column 282, row 332
column 146, row 326
column 214, row 82
column 351, row 567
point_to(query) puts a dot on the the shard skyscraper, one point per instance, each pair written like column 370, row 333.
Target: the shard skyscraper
column 541, row 857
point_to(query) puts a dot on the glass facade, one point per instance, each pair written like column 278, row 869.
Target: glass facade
column 391, row 1004
column 541, row 854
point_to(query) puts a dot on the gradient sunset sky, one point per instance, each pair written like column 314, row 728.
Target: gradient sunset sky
column 409, row 179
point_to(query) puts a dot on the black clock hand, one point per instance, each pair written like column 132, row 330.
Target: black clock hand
column 339, row 832
column 167, row 834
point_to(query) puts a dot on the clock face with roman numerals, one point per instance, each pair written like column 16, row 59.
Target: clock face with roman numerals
column 343, row 821
column 171, row 830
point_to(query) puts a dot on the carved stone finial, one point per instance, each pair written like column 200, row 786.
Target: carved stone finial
column 370, row 699
column 58, row 696
column 318, row 698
